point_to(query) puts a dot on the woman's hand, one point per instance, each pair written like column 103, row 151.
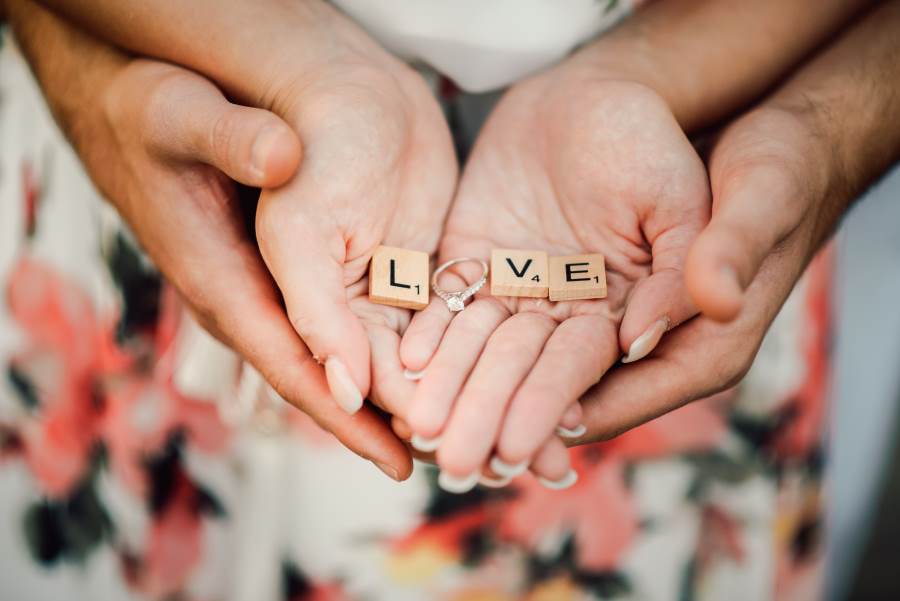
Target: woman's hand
column 379, row 168
column 569, row 162
column 161, row 142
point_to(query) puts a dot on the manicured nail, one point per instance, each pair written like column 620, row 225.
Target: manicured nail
column 413, row 375
column 343, row 389
column 426, row 445
column 262, row 147
column 389, row 471
column 456, row 484
column 575, row 432
column 563, row 483
column 572, row 416
column 494, row 482
column 506, row 470
column 646, row 342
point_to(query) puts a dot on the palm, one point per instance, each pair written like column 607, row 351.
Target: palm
column 601, row 169
column 378, row 168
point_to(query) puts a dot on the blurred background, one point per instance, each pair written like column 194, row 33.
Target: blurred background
column 864, row 544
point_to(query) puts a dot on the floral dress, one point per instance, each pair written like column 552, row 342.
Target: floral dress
column 122, row 480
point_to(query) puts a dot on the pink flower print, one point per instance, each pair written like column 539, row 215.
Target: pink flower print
column 599, row 509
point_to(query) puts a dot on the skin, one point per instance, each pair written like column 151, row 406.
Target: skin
column 753, row 48
column 782, row 175
column 163, row 144
column 379, row 165
column 707, row 86
column 553, row 170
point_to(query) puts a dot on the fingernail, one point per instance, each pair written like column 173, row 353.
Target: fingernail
column 456, row 484
column 389, row 471
column 342, row 387
column 426, row 445
column 413, row 375
column 646, row 342
column 572, row 416
column 563, row 483
column 506, row 470
column 262, row 146
column 575, row 432
column 494, row 482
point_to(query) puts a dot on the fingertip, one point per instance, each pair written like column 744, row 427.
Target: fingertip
column 423, row 421
column 275, row 154
column 714, row 286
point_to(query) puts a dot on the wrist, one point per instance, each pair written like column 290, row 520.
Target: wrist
column 631, row 58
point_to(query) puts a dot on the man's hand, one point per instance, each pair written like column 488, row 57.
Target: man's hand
column 161, row 143
column 781, row 178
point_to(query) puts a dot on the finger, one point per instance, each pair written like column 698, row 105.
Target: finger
column 570, row 425
column 661, row 301
column 577, row 354
column 306, row 256
column 390, row 390
column 552, row 466
column 475, row 420
column 401, row 428
column 190, row 119
column 243, row 309
column 753, row 212
column 421, row 339
column 447, row 372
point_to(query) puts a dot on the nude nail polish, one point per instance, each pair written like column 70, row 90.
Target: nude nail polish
column 413, row 375
column 506, row 470
column 342, row 386
column 563, row 483
column 456, row 484
column 493, row 482
column 646, row 342
column 426, row 445
column 575, row 432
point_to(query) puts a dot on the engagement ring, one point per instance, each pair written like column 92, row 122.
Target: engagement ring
column 456, row 301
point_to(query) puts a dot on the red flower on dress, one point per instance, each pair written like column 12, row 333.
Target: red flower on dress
column 92, row 391
column 599, row 510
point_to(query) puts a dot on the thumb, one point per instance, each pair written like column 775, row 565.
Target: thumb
column 197, row 123
column 661, row 301
column 307, row 259
column 752, row 214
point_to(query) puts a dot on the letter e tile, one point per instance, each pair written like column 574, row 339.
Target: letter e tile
column 577, row 277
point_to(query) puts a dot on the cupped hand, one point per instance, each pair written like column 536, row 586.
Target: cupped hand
column 162, row 143
column 569, row 162
column 776, row 198
column 379, row 169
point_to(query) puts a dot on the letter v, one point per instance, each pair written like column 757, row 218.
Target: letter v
column 518, row 273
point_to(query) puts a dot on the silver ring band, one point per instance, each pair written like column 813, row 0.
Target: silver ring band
column 456, row 301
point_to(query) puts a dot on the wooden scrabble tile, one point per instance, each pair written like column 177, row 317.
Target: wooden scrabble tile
column 519, row 273
column 399, row 277
column 577, row 277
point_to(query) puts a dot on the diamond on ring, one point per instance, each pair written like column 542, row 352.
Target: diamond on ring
column 456, row 301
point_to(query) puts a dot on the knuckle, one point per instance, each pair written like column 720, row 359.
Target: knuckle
column 222, row 136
